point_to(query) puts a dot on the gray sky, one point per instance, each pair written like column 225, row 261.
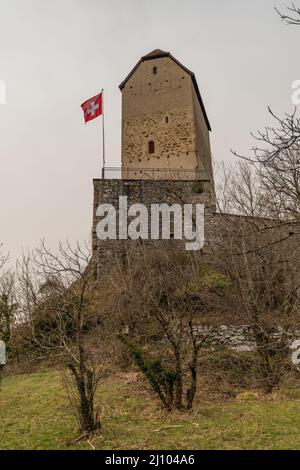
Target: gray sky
column 54, row 54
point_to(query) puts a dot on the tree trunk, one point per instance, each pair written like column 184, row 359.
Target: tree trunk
column 178, row 383
column 190, row 394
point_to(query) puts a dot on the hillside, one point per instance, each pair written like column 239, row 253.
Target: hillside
column 35, row 414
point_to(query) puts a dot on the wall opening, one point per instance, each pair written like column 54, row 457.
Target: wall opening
column 151, row 147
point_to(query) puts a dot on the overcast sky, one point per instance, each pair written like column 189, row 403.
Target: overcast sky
column 54, row 54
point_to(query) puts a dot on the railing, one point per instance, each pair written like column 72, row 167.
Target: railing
column 154, row 174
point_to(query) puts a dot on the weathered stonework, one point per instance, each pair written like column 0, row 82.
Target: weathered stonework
column 146, row 192
column 164, row 108
column 166, row 156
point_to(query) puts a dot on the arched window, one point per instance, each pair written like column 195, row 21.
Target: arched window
column 154, row 70
column 151, row 147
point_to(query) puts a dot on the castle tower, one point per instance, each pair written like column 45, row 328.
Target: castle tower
column 165, row 128
column 166, row 156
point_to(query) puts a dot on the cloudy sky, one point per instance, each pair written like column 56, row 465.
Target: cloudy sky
column 54, row 54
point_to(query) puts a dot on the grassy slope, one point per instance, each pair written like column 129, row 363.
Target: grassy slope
column 34, row 414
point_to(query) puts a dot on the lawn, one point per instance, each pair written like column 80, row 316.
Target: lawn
column 35, row 414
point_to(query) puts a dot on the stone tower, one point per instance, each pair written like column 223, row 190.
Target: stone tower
column 166, row 156
column 165, row 128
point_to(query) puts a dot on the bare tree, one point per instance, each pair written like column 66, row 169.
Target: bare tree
column 56, row 292
column 163, row 297
column 265, row 279
column 8, row 306
column 3, row 261
column 276, row 156
column 277, row 163
column 239, row 191
column 293, row 15
column 7, row 299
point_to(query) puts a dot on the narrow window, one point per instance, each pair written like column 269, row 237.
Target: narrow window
column 151, row 146
column 167, row 119
column 154, row 70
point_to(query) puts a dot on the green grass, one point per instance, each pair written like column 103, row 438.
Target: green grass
column 35, row 414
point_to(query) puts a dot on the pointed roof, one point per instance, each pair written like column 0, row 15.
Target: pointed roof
column 156, row 54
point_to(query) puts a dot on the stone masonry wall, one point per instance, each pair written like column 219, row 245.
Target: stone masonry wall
column 147, row 192
column 161, row 108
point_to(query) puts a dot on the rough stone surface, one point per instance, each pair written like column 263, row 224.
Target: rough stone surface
column 163, row 108
column 147, row 192
column 236, row 338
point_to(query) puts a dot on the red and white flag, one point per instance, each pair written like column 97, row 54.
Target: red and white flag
column 92, row 108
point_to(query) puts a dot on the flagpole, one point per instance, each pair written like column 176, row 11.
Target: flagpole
column 103, row 137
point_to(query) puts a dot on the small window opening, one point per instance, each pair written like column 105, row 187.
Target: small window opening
column 151, row 147
column 154, row 70
column 167, row 119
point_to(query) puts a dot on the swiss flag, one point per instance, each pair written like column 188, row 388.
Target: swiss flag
column 92, row 108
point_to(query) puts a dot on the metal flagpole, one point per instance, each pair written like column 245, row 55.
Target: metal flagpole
column 103, row 136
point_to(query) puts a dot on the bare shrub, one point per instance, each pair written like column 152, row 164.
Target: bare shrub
column 161, row 299
column 56, row 291
column 262, row 262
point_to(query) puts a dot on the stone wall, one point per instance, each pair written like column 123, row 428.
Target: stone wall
column 110, row 252
column 163, row 108
column 239, row 338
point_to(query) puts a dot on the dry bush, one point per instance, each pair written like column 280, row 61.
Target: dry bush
column 262, row 262
column 160, row 299
column 56, row 290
